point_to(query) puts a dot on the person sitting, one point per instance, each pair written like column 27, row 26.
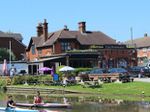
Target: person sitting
column 37, row 98
column 10, row 102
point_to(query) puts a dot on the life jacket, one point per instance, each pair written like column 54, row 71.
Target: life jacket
column 38, row 100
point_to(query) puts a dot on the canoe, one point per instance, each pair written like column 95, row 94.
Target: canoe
column 4, row 109
column 44, row 105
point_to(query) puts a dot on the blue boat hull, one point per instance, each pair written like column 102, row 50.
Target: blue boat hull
column 3, row 109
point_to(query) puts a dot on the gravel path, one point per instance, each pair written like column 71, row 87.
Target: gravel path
column 142, row 79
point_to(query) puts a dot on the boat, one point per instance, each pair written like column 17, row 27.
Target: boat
column 4, row 109
column 44, row 105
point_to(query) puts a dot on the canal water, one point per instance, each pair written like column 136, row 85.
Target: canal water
column 85, row 103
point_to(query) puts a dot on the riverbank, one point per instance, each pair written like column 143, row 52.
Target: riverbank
column 126, row 91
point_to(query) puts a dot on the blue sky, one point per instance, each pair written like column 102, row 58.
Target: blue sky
column 113, row 17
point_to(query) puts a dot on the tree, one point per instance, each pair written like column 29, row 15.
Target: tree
column 5, row 54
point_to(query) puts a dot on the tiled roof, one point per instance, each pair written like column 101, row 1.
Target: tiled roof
column 88, row 38
column 17, row 36
column 140, row 42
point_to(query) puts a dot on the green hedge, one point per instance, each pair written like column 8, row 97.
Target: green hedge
column 30, row 79
column 18, row 80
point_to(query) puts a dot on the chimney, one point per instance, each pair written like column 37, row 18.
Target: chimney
column 66, row 28
column 45, row 30
column 39, row 30
column 145, row 35
column 82, row 27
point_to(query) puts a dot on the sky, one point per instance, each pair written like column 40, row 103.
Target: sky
column 113, row 17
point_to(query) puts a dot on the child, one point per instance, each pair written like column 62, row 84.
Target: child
column 10, row 102
column 37, row 98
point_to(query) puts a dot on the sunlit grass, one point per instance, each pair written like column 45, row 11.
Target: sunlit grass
column 127, row 91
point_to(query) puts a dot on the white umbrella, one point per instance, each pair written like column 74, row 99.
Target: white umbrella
column 66, row 69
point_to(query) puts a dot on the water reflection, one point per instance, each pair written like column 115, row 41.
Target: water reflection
column 86, row 103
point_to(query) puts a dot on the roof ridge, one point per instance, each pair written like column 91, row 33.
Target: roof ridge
column 19, row 41
column 136, row 39
column 60, row 32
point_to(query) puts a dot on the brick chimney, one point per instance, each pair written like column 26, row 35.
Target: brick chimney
column 82, row 27
column 66, row 28
column 145, row 34
column 45, row 30
column 39, row 30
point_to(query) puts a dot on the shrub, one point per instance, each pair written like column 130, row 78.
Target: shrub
column 18, row 80
column 31, row 79
column 3, row 83
column 45, row 78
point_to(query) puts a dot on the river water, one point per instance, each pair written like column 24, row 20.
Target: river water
column 85, row 103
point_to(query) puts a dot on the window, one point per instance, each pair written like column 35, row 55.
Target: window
column 40, row 51
column 144, row 49
column 33, row 49
column 65, row 46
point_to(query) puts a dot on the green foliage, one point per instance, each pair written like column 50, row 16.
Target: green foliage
column 45, row 78
column 125, row 91
column 58, row 72
column 18, row 80
column 31, row 79
column 4, row 54
column 73, row 73
column 3, row 83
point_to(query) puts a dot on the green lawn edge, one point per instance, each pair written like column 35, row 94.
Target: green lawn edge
column 133, row 91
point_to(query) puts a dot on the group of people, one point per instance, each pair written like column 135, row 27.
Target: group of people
column 37, row 100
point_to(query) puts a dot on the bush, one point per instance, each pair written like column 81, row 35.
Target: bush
column 45, row 78
column 3, row 83
column 18, row 80
column 31, row 79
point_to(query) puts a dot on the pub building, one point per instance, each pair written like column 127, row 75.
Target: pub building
column 81, row 48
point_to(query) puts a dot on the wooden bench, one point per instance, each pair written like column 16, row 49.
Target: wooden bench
column 105, row 77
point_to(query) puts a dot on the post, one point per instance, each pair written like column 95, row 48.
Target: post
column 67, row 60
column 10, row 53
column 131, row 31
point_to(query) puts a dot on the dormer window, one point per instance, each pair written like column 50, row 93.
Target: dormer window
column 33, row 49
column 65, row 46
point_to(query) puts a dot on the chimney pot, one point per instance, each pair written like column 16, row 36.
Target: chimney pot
column 66, row 28
column 45, row 30
column 145, row 35
column 82, row 27
column 39, row 29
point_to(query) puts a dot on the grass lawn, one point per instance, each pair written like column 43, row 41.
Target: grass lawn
column 126, row 91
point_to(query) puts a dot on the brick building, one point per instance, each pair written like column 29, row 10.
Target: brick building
column 142, row 46
column 79, row 48
column 17, row 47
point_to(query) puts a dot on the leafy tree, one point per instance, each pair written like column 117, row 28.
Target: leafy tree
column 4, row 54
